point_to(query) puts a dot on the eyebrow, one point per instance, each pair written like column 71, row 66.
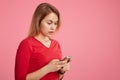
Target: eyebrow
column 52, row 21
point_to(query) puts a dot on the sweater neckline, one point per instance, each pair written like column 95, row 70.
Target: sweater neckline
column 42, row 43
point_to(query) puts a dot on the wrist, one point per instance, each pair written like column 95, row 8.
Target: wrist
column 47, row 69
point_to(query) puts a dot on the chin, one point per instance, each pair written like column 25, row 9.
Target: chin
column 49, row 36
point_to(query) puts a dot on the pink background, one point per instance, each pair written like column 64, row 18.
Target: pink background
column 90, row 33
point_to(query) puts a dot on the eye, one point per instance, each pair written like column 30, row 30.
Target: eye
column 56, row 23
column 49, row 23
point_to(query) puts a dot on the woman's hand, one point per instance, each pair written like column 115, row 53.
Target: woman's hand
column 65, row 68
column 55, row 65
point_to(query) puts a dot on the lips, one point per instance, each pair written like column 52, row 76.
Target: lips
column 51, row 32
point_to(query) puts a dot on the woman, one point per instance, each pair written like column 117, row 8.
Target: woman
column 38, row 56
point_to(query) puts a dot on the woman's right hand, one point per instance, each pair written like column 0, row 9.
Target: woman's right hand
column 54, row 65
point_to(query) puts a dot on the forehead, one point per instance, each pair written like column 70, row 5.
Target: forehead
column 51, row 16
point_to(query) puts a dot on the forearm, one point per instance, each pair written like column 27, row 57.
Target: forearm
column 37, row 75
column 61, row 76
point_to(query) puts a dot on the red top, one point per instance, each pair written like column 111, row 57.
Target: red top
column 33, row 55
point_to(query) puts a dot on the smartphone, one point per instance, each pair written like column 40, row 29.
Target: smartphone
column 68, row 58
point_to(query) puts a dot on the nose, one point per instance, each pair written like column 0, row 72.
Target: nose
column 53, row 27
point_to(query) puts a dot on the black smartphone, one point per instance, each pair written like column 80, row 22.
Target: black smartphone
column 68, row 58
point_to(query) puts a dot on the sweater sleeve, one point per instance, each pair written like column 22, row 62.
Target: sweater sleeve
column 22, row 60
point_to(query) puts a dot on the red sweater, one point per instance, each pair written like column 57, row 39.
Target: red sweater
column 33, row 55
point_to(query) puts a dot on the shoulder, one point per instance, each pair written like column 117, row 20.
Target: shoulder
column 24, row 48
column 26, row 41
column 54, row 41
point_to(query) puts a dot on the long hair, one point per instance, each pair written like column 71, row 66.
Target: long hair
column 41, row 11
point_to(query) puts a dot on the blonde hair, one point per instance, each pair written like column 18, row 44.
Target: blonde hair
column 41, row 11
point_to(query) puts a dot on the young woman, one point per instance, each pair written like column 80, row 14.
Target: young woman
column 38, row 56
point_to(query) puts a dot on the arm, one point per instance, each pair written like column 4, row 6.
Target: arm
column 52, row 66
column 22, row 60
column 37, row 74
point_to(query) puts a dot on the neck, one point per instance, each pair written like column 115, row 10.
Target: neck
column 42, row 38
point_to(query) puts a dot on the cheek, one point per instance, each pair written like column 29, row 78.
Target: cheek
column 42, row 26
column 57, row 28
column 44, row 29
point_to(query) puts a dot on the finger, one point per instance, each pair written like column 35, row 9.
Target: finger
column 55, row 60
column 62, row 62
column 58, row 67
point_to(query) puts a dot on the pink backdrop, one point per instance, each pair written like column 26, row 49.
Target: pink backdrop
column 90, row 33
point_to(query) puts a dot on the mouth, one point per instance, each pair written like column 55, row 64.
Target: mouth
column 51, row 32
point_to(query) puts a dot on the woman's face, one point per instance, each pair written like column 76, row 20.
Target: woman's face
column 49, row 25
